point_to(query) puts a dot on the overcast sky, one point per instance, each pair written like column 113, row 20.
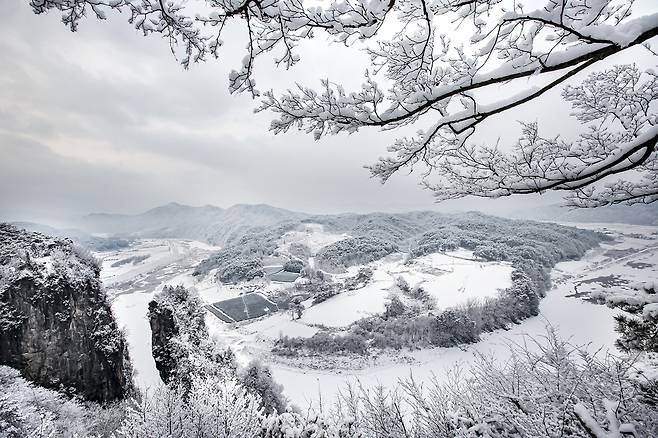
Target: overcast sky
column 106, row 120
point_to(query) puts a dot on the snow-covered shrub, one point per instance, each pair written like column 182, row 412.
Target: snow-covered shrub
column 322, row 291
column 28, row 410
column 639, row 333
column 417, row 293
column 293, row 265
column 322, row 343
column 361, row 279
column 214, row 406
column 453, row 327
column 85, row 254
column 548, row 388
column 296, row 308
column 402, row 284
column 394, row 308
column 258, row 380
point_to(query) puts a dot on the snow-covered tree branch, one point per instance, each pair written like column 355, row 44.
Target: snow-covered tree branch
column 421, row 78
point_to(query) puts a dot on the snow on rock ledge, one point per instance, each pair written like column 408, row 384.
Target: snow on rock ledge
column 56, row 326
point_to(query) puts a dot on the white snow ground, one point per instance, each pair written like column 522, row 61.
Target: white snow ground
column 582, row 322
column 450, row 278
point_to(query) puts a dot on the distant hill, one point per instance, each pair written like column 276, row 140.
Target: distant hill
column 80, row 237
column 222, row 226
column 208, row 223
column 635, row 214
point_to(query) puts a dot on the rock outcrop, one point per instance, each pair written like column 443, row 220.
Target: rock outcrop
column 56, row 325
column 163, row 331
column 179, row 337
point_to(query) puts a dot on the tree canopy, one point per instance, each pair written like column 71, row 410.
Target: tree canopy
column 421, row 77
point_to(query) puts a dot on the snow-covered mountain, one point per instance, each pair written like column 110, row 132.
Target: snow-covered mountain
column 207, row 223
column 222, row 226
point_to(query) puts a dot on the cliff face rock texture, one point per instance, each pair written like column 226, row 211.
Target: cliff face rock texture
column 163, row 330
column 56, row 325
column 179, row 337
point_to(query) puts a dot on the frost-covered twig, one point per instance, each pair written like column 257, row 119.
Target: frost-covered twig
column 436, row 85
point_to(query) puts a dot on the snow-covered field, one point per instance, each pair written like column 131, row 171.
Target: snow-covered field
column 450, row 278
column 463, row 278
column 580, row 321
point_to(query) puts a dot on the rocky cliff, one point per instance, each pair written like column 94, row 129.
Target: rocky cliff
column 163, row 330
column 56, row 326
column 179, row 336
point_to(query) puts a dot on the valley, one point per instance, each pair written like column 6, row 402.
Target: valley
column 451, row 278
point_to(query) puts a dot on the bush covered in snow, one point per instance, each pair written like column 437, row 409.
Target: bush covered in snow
column 547, row 387
column 361, row 279
column 293, row 265
column 417, row 293
column 320, row 291
column 214, row 406
column 257, row 379
column 638, row 333
column 322, row 343
column 28, row 410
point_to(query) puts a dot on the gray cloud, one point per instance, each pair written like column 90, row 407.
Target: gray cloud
column 106, row 120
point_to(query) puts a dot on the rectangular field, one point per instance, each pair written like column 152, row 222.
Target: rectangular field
column 244, row 307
